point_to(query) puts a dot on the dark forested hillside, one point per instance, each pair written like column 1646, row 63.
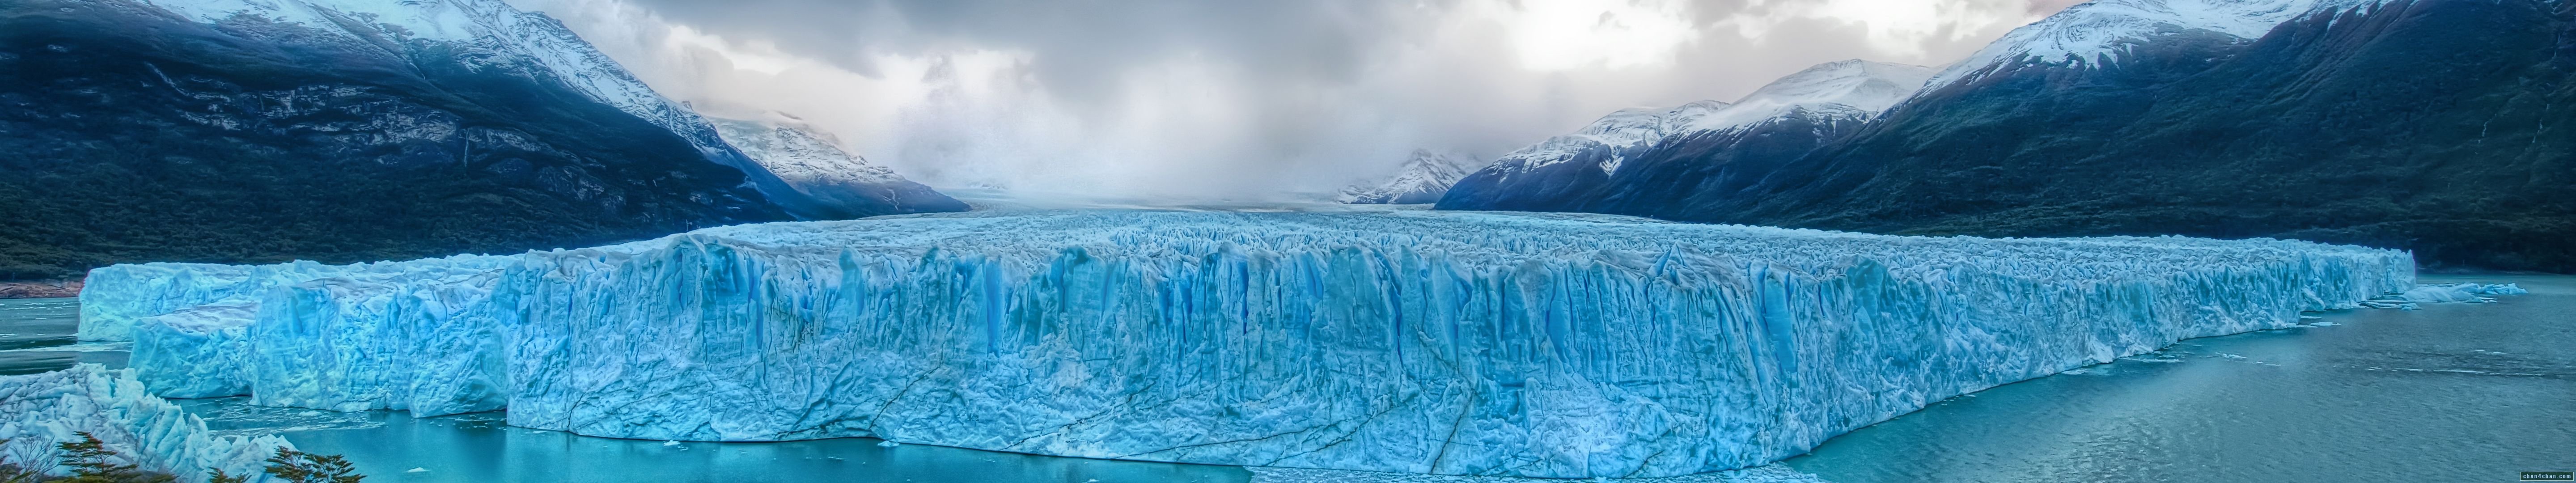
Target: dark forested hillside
column 131, row 135
column 2435, row 125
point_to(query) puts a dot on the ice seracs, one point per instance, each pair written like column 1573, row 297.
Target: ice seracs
column 38, row 411
column 1424, row 176
column 1552, row 345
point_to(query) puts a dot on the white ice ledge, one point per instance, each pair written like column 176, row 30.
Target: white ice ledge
column 1551, row 345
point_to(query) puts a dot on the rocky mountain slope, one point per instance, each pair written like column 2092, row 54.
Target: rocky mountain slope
column 2427, row 125
column 1724, row 143
column 340, row 130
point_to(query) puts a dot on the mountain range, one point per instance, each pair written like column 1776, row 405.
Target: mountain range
column 2417, row 124
column 246, row 131
column 1423, row 178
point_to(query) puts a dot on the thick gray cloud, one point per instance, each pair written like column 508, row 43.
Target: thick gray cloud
column 1218, row 98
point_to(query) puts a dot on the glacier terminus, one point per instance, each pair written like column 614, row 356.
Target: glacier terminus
column 1470, row 343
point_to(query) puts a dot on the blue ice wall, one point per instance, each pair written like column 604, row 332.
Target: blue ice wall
column 1429, row 342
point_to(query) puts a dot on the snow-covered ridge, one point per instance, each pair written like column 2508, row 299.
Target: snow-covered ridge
column 38, row 411
column 1850, row 89
column 504, row 34
column 1422, row 178
column 799, row 155
column 1553, row 345
column 2099, row 31
column 1619, row 131
column 493, row 35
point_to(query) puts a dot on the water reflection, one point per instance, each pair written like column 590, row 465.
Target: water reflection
column 481, row 447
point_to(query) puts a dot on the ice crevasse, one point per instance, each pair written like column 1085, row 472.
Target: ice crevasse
column 1549, row 345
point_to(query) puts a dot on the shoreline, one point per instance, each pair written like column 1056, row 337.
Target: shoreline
column 43, row 289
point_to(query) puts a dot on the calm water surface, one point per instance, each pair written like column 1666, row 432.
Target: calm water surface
column 2449, row 393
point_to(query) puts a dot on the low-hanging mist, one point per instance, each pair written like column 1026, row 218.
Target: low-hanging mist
column 1227, row 100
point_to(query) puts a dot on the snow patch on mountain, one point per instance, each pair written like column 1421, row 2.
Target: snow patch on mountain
column 1617, row 132
column 2098, row 32
column 814, row 165
column 491, row 34
column 1850, row 89
column 801, row 155
column 1422, row 178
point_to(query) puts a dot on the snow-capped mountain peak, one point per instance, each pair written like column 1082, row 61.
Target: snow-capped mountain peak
column 1854, row 89
column 799, row 154
column 2097, row 31
column 1421, row 179
column 1850, row 88
column 813, row 164
column 1627, row 128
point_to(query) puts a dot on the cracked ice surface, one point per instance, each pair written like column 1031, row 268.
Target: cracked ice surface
column 38, row 411
column 1549, row 345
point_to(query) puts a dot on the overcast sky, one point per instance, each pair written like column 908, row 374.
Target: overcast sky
column 1229, row 98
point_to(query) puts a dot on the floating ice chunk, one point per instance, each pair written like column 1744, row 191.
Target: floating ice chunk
column 38, row 411
column 2467, row 293
column 417, row 470
column 888, row 444
column 1553, row 345
column 2483, row 289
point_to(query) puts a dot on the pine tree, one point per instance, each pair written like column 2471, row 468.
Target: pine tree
column 92, row 461
column 221, row 477
column 301, row 467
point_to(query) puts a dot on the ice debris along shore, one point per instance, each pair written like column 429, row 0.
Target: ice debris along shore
column 38, row 411
column 1518, row 344
column 2462, row 293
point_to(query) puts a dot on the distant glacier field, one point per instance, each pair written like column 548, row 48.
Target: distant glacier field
column 1547, row 345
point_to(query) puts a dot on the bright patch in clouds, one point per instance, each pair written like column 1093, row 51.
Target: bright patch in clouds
column 1894, row 27
column 1616, row 34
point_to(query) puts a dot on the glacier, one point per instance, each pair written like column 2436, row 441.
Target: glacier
column 38, row 411
column 1463, row 343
